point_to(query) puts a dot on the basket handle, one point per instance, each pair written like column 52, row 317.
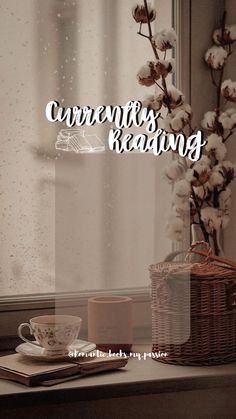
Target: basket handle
column 191, row 250
column 207, row 254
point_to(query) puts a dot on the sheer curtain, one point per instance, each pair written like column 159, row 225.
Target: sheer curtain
column 114, row 212
column 74, row 222
column 26, row 175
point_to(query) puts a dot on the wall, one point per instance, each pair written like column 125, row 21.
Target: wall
column 230, row 232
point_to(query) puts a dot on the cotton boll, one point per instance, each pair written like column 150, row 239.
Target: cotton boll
column 171, row 36
column 174, row 93
column 216, row 179
column 207, row 213
column 204, row 191
column 221, row 152
column 140, row 15
column 144, row 76
column 179, row 120
column 213, row 141
column 226, row 122
column 226, row 38
column 217, row 36
column 163, row 68
column 208, row 121
column 230, row 111
column 228, row 170
column 181, row 114
column 211, row 218
column 216, row 146
column 144, row 71
column 228, row 90
column 223, row 115
column 165, row 39
column 201, row 174
column 226, row 83
column 173, row 171
column 231, row 114
column 199, row 192
column 175, row 98
column 176, row 124
column 218, row 176
column 153, row 102
column 228, row 165
column 198, row 175
column 182, row 189
column 215, row 57
column 147, row 74
column 232, row 31
column 175, row 228
column 186, row 110
column 228, row 119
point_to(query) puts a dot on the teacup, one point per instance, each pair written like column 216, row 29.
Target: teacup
column 54, row 333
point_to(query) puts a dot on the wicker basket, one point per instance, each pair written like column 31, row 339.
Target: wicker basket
column 194, row 311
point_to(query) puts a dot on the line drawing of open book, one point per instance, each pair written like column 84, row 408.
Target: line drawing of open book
column 76, row 140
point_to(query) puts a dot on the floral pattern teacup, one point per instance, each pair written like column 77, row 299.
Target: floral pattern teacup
column 54, row 333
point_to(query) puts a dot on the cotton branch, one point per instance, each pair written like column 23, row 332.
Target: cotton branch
column 153, row 45
column 198, row 209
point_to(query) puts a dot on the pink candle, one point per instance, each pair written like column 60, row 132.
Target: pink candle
column 110, row 322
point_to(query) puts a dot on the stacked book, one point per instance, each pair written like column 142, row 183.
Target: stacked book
column 30, row 372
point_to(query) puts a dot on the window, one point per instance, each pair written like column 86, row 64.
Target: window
column 74, row 222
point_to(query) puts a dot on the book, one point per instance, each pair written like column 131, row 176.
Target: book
column 18, row 367
column 76, row 140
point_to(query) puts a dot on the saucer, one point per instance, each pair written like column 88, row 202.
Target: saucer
column 36, row 352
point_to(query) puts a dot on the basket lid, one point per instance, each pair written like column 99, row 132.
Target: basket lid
column 212, row 267
column 196, row 270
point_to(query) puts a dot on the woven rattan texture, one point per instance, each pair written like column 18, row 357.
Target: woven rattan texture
column 203, row 295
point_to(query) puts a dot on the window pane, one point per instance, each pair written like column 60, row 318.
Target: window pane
column 71, row 221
